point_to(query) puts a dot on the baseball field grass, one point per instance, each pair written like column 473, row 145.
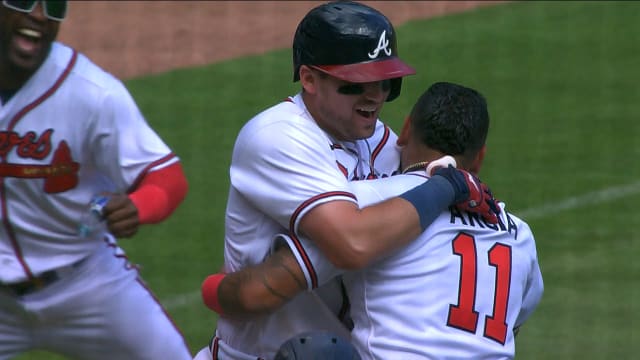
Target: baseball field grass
column 561, row 80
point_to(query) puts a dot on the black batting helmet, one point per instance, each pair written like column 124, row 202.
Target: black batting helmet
column 350, row 41
column 317, row 345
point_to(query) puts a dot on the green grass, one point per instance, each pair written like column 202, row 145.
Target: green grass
column 560, row 79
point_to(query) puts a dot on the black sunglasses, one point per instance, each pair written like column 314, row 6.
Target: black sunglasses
column 353, row 88
column 357, row 89
column 53, row 9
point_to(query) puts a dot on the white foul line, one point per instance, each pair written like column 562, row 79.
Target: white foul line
column 596, row 197
column 592, row 198
column 181, row 300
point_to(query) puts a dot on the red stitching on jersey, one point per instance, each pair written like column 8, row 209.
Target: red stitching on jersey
column 307, row 262
column 305, row 204
column 296, row 241
column 214, row 348
column 343, row 169
column 47, row 94
column 380, row 146
column 144, row 172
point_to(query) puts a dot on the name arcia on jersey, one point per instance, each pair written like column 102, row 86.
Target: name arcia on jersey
column 474, row 220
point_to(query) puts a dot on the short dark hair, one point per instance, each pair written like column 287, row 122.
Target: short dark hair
column 452, row 119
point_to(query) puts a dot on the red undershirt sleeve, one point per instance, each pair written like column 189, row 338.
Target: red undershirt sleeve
column 159, row 194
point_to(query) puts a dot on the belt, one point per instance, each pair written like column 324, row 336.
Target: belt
column 34, row 284
column 39, row 282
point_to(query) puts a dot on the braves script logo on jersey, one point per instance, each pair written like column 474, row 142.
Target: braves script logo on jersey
column 383, row 45
column 60, row 175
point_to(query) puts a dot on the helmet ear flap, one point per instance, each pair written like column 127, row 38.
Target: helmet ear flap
column 396, row 86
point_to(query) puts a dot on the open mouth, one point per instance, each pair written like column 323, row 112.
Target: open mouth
column 366, row 112
column 28, row 41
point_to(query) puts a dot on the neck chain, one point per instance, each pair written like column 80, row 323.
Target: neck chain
column 416, row 166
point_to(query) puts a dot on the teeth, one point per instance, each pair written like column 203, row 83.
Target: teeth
column 30, row 33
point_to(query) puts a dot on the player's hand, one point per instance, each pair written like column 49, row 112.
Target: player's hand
column 121, row 216
column 471, row 194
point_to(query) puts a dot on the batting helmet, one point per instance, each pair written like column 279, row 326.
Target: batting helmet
column 349, row 41
column 317, row 345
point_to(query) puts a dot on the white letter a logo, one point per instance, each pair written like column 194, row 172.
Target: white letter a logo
column 383, row 44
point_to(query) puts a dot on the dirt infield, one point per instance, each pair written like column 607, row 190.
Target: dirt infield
column 132, row 38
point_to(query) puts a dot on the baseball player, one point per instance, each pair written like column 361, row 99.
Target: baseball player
column 292, row 163
column 460, row 291
column 70, row 131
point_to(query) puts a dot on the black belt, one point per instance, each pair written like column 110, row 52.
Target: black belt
column 38, row 282
column 33, row 284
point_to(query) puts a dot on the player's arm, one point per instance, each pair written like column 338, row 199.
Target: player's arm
column 257, row 289
column 265, row 287
column 351, row 237
column 148, row 192
column 153, row 200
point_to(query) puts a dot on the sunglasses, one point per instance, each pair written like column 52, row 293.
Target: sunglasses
column 353, row 88
column 358, row 89
column 53, row 9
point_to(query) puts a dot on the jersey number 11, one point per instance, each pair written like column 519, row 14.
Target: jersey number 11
column 464, row 316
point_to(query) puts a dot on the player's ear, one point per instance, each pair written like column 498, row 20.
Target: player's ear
column 307, row 79
column 404, row 136
column 477, row 162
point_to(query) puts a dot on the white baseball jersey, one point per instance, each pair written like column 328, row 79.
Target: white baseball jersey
column 70, row 132
column 282, row 166
column 456, row 292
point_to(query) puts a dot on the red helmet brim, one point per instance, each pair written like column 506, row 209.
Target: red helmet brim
column 363, row 72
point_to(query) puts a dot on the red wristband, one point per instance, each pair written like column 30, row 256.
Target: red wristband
column 209, row 291
column 159, row 193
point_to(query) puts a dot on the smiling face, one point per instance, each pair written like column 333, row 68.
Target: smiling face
column 347, row 111
column 25, row 41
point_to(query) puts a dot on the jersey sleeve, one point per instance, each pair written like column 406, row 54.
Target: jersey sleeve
column 285, row 168
column 317, row 268
column 123, row 145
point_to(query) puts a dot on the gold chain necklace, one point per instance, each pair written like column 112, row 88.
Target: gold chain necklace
column 416, row 166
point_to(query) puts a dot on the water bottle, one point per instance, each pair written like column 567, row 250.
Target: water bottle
column 93, row 218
